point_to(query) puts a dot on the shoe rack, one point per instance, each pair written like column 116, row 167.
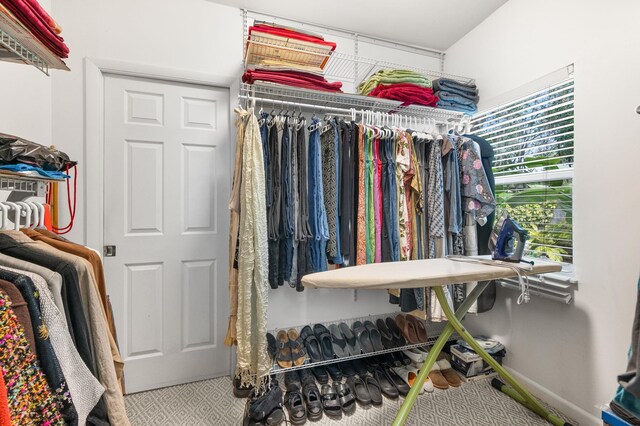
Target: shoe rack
column 433, row 332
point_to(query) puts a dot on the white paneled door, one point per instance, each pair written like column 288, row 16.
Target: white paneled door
column 167, row 175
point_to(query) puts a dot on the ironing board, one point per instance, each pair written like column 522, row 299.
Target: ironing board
column 436, row 273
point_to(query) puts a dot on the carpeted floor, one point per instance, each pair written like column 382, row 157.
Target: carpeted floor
column 211, row 402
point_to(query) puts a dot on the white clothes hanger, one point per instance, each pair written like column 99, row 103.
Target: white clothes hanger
column 16, row 219
column 35, row 211
column 27, row 213
column 4, row 215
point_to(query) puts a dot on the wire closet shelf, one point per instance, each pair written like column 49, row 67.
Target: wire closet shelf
column 340, row 66
column 433, row 331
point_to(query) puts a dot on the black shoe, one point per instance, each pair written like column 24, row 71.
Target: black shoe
column 401, row 385
column 374, row 390
column 321, row 374
column 264, row 408
column 271, row 346
column 360, row 366
column 292, row 381
column 372, row 363
column 374, row 335
column 331, row 402
column 324, row 337
column 312, row 344
column 398, row 338
column 398, row 361
column 403, row 357
column 386, row 387
column 347, row 369
column 391, row 360
column 334, row 372
column 359, row 389
column 240, row 391
column 311, row 395
column 362, row 334
column 385, row 334
column 296, row 407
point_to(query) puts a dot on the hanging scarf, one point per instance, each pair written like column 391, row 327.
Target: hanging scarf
column 252, row 365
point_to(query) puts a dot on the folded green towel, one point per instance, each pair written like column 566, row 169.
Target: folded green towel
column 393, row 77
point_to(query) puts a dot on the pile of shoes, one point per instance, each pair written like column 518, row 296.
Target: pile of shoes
column 265, row 408
column 319, row 343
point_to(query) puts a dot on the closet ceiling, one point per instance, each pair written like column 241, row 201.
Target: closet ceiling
column 437, row 24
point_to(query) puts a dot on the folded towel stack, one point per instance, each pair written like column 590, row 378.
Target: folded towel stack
column 456, row 96
column 407, row 86
column 292, row 78
column 407, row 93
column 286, row 61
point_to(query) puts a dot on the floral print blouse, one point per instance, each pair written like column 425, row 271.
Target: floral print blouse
column 477, row 197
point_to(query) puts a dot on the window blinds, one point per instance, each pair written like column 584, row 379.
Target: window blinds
column 532, row 138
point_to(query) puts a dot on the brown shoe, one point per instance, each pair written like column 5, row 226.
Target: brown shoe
column 437, row 378
column 407, row 328
column 449, row 374
column 298, row 353
column 283, row 354
column 421, row 329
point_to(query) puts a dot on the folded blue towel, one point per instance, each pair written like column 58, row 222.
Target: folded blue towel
column 454, row 91
column 21, row 167
column 454, row 106
column 446, row 84
column 452, row 97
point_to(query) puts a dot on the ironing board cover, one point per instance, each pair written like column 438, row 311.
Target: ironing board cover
column 417, row 273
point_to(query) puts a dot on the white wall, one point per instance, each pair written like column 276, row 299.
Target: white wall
column 574, row 351
column 25, row 109
column 198, row 36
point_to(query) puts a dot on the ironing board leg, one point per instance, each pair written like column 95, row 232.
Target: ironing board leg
column 525, row 398
column 405, row 409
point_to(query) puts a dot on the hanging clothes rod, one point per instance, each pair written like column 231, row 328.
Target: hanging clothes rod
column 298, row 104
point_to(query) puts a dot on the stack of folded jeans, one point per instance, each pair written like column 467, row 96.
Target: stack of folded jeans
column 456, row 96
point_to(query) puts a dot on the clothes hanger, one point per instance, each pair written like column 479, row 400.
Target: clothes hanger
column 4, row 216
column 27, row 213
column 17, row 210
column 35, row 214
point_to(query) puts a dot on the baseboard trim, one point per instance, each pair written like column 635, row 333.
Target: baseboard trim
column 569, row 409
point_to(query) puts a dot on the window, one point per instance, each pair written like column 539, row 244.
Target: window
column 532, row 138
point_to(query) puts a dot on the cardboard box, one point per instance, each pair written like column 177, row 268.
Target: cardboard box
column 469, row 364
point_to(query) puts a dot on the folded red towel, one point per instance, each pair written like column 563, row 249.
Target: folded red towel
column 292, row 78
column 39, row 27
column 283, row 32
column 407, row 93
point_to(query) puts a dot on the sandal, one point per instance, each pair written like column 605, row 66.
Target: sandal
column 374, row 390
column 346, row 398
column 359, row 388
column 352, row 342
column 330, row 402
column 298, row 354
column 312, row 344
column 397, row 381
column 339, row 342
column 421, row 330
column 295, row 408
column 398, row 338
column 311, row 395
column 374, row 335
column 385, row 334
column 408, row 329
column 362, row 334
column 324, row 337
column 283, row 356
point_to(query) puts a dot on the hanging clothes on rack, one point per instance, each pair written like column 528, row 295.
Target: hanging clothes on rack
column 252, row 365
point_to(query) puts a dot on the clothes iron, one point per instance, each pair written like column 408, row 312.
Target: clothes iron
column 508, row 240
